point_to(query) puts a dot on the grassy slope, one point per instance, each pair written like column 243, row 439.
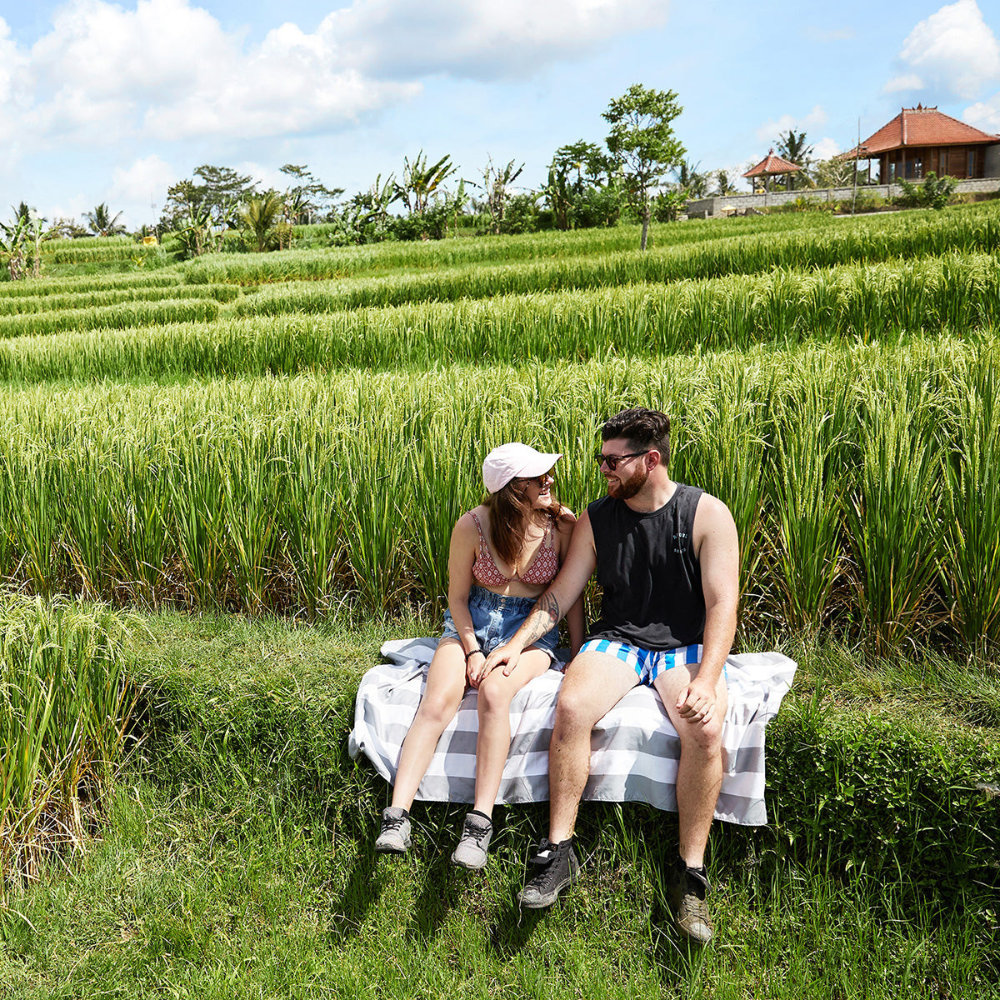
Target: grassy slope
column 238, row 860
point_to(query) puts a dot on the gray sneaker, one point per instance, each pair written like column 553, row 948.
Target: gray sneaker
column 687, row 891
column 471, row 850
column 394, row 837
column 557, row 868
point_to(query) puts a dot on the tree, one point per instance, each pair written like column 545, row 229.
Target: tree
column 422, row 182
column 220, row 191
column 643, row 143
column 692, row 180
column 570, row 198
column 724, row 182
column 101, row 222
column 21, row 245
column 794, row 148
column 260, row 215
column 307, row 198
column 496, row 186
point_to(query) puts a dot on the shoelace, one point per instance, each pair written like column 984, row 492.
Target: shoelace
column 477, row 834
column 392, row 823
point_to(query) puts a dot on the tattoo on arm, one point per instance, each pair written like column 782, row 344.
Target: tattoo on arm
column 544, row 616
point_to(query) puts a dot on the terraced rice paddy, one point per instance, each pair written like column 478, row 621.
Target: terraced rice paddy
column 296, row 433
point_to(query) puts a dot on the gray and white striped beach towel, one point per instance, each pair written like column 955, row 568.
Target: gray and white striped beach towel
column 634, row 748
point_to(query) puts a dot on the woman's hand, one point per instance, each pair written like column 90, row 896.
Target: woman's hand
column 475, row 668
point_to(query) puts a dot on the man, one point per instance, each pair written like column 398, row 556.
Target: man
column 667, row 558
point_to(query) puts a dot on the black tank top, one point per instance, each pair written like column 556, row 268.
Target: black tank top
column 647, row 568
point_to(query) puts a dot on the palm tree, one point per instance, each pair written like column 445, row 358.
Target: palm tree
column 793, row 148
column 101, row 222
column 259, row 214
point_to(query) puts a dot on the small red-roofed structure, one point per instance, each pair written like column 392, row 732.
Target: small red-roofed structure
column 920, row 140
column 770, row 166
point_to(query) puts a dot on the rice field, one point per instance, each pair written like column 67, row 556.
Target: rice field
column 294, row 434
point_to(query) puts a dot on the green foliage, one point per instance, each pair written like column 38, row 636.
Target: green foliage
column 643, row 143
column 65, row 703
column 422, row 183
column 934, row 192
column 496, row 188
column 261, row 217
column 793, row 147
column 21, row 246
column 102, row 222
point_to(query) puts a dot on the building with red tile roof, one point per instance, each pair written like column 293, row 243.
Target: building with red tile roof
column 769, row 167
column 920, row 140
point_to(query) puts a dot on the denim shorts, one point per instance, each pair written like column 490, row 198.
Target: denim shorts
column 496, row 619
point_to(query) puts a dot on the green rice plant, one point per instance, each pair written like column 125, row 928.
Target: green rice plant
column 311, row 518
column 75, row 285
column 970, row 566
column 893, row 518
column 198, row 513
column 806, row 501
column 725, row 455
column 36, row 524
column 65, row 701
column 24, row 304
column 115, row 317
column 373, row 491
column 253, row 491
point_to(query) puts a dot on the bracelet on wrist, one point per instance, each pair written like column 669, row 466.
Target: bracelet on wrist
column 472, row 652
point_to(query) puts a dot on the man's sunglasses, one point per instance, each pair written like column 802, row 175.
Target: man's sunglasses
column 613, row 460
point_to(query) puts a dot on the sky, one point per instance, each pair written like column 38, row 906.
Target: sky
column 114, row 101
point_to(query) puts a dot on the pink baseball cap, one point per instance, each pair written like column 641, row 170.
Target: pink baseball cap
column 514, row 461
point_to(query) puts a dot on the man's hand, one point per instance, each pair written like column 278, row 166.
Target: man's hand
column 507, row 654
column 475, row 668
column 696, row 702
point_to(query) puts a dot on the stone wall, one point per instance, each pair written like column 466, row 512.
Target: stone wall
column 710, row 208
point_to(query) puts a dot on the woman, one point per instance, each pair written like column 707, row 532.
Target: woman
column 503, row 555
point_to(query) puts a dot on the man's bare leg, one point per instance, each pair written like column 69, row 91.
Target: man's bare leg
column 594, row 684
column 699, row 770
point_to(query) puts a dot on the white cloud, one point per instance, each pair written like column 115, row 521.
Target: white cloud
column 952, row 52
column 769, row 131
column 482, row 39
column 168, row 70
column 825, row 148
column 146, row 180
column 984, row 115
column 905, row 82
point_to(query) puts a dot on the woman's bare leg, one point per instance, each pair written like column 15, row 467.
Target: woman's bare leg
column 442, row 696
column 493, row 742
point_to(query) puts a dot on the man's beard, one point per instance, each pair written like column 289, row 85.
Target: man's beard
column 625, row 489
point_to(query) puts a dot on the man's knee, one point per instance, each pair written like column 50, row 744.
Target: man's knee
column 702, row 737
column 575, row 711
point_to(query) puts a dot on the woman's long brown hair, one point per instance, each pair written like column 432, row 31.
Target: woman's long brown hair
column 510, row 515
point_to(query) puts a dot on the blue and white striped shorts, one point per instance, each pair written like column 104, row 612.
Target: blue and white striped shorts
column 647, row 663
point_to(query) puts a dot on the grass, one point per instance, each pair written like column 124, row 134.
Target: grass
column 238, row 858
column 231, row 855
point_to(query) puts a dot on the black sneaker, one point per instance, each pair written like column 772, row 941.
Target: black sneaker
column 687, row 891
column 558, row 868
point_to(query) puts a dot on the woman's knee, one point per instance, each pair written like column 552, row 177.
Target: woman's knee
column 437, row 710
column 494, row 694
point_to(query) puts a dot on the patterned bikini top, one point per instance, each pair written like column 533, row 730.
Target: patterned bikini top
column 541, row 570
